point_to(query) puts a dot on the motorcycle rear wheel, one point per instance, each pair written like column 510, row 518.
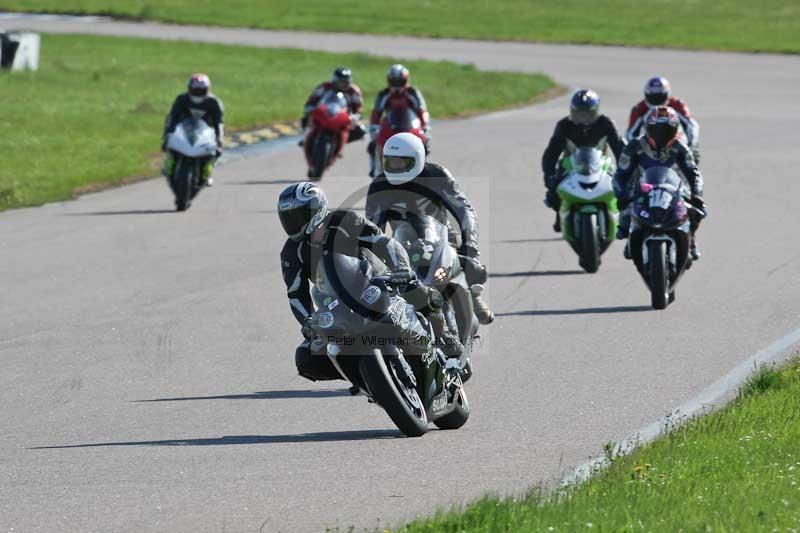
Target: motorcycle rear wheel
column 402, row 404
column 659, row 275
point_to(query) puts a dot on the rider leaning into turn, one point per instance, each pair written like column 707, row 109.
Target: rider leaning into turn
column 585, row 127
column 199, row 102
column 341, row 81
column 660, row 147
column 411, row 185
column 313, row 230
column 656, row 93
column 398, row 94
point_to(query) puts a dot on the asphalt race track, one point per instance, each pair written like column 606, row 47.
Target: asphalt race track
column 148, row 380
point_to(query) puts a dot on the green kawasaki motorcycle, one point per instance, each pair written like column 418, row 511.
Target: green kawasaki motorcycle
column 588, row 211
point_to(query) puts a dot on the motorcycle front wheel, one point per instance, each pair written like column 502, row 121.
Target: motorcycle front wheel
column 401, row 403
column 320, row 153
column 590, row 243
column 182, row 183
column 659, row 274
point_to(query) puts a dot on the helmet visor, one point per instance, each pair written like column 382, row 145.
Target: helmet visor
column 584, row 117
column 656, row 98
column 397, row 81
column 294, row 221
column 661, row 133
column 393, row 163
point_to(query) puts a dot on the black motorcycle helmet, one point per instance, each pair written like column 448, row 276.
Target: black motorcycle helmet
column 584, row 107
column 342, row 78
column 302, row 207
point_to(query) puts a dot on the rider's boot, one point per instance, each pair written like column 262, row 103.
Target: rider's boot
column 482, row 310
column 627, row 250
column 694, row 250
column 208, row 168
column 557, row 223
column 446, row 340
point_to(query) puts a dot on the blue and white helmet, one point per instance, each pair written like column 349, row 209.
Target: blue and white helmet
column 584, row 107
column 656, row 91
column 302, row 207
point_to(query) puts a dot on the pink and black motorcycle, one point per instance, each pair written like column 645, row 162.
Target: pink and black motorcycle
column 327, row 134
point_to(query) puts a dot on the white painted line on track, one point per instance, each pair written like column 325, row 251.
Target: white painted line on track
column 711, row 396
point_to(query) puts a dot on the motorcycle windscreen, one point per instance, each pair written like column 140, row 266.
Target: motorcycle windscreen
column 403, row 119
column 334, row 102
column 587, row 161
column 428, row 246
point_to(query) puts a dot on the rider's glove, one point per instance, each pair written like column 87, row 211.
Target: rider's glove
column 307, row 330
column 468, row 250
column 374, row 129
column 401, row 277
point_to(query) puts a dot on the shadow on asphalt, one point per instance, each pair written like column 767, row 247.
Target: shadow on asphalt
column 580, row 311
column 324, row 436
column 535, row 273
column 515, row 241
column 128, row 212
column 263, row 395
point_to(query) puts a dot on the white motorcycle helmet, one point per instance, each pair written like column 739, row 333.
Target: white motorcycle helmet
column 403, row 158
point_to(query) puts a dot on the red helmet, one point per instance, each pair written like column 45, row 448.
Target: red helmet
column 656, row 91
column 397, row 76
column 199, row 87
column 661, row 125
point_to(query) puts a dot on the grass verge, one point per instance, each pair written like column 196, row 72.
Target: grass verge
column 769, row 26
column 737, row 469
column 93, row 114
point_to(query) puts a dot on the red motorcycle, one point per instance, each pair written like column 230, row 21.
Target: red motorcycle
column 398, row 120
column 330, row 127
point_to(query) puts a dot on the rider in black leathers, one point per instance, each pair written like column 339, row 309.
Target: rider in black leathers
column 584, row 127
column 427, row 189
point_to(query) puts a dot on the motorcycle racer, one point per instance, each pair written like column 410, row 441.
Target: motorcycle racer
column 657, row 92
column 409, row 184
column 341, row 81
column 397, row 94
column 659, row 147
column 315, row 230
column 585, row 127
column 198, row 101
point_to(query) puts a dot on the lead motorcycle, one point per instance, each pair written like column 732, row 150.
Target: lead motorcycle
column 193, row 144
column 408, row 377
column 329, row 131
column 661, row 235
column 588, row 211
column 437, row 265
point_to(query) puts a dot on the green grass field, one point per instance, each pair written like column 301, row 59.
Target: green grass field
column 94, row 112
column 768, row 26
column 732, row 471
